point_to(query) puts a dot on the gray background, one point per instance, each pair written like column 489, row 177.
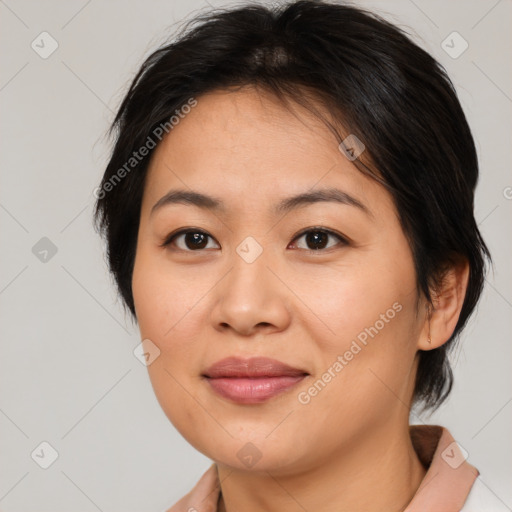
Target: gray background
column 68, row 375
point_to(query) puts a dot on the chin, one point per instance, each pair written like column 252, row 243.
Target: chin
column 251, row 450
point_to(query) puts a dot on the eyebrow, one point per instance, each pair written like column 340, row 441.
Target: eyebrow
column 331, row 195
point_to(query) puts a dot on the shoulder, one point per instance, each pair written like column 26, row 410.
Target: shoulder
column 482, row 499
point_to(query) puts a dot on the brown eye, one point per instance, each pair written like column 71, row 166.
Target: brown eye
column 192, row 240
column 317, row 239
column 189, row 240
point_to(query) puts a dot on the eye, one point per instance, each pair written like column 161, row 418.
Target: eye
column 195, row 239
column 191, row 240
column 317, row 239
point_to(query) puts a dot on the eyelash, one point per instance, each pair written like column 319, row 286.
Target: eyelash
column 344, row 241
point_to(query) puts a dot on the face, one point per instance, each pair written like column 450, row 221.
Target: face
column 326, row 287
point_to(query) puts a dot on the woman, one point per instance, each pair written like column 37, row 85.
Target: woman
column 288, row 210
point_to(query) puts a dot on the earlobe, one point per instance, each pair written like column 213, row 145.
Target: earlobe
column 443, row 314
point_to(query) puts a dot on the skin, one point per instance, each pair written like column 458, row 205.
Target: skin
column 300, row 306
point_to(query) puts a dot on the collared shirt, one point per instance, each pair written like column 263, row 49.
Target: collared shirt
column 450, row 484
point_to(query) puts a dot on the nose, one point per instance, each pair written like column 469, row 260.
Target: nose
column 251, row 298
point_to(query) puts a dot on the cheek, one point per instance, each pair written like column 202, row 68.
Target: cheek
column 171, row 314
column 163, row 299
column 369, row 306
column 355, row 299
column 366, row 370
column 165, row 317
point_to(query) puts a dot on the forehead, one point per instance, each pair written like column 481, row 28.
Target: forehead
column 247, row 147
column 245, row 122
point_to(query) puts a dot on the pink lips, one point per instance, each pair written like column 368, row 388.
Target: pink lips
column 254, row 380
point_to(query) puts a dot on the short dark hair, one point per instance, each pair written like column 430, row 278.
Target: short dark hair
column 384, row 89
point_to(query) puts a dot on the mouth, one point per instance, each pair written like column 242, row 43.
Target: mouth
column 252, row 381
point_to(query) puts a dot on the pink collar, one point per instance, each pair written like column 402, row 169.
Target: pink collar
column 449, row 477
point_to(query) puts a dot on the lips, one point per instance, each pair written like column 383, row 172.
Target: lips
column 253, row 380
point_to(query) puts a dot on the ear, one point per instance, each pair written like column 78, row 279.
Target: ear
column 442, row 315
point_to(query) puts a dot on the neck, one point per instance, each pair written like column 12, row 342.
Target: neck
column 380, row 472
